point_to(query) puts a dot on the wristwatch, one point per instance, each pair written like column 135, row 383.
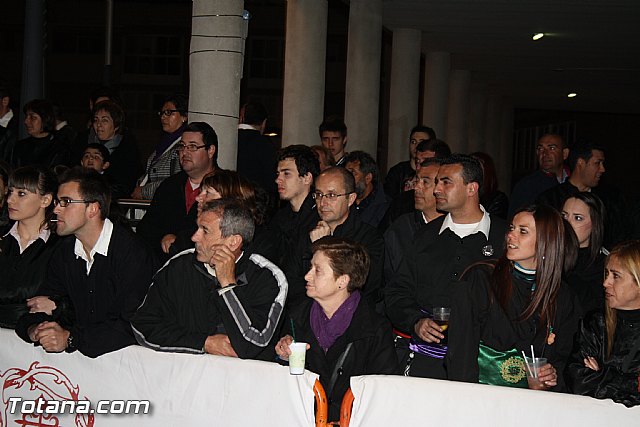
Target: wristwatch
column 70, row 346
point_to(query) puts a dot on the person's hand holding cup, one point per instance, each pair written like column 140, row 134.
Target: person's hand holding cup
column 441, row 317
column 294, row 352
column 540, row 374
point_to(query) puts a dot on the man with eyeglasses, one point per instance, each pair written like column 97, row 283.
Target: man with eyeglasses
column 335, row 195
column 174, row 206
column 98, row 278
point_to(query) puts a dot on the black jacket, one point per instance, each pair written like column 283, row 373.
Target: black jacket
column 398, row 239
column 434, row 262
column 476, row 316
column 397, row 175
column 292, row 231
column 617, row 378
column 125, row 167
column 585, row 281
column 22, row 275
column 103, row 302
column 46, row 152
column 372, row 209
column 167, row 213
column 372, row 351
column 529, row 188
column 184, row 306
column 356, row 230
column 257, row 159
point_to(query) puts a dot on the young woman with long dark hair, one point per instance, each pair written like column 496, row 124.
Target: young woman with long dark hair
column 502, row 309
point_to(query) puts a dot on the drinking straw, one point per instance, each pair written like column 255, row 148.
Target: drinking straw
column 533, row 358
column 527, row 364
column 293, row 331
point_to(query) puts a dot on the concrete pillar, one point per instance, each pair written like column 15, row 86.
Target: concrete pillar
column 492, row 124
column 33, row 56
column 458, row 111
column 215, row 69
column 504, row 163
column 362, row 92
column 304, row 69
column 403, row 98
column 477, row 113
column 436, row 92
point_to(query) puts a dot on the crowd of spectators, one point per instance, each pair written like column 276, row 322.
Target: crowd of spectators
column 348, row 262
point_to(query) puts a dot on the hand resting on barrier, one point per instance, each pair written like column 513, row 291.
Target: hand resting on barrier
column 220, row 345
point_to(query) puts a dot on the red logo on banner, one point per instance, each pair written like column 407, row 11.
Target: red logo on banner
column 35, row 384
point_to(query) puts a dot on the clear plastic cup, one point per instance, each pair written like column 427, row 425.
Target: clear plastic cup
column 441, row 317
column 533, row 371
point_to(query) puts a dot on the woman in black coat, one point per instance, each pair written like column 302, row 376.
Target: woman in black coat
column 585, row 212
column 25, row 251
column 125, row 166
column 345, row 336
column 502, row 309
column 606, row 361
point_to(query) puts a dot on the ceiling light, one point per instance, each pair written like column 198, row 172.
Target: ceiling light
column 537, row 36
column 572, row 95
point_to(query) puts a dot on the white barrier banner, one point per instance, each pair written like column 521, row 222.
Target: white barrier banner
column 137, row 386
column 400, row 401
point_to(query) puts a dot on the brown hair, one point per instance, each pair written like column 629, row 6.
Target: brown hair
column 115, row 111
column 232, row 185
column 628, row 255
column 346, row 258
column 555, row 249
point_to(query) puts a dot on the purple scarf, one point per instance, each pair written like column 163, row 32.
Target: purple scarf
column 167, row 139
column 328, row 330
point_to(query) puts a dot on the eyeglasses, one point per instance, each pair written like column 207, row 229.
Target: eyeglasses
column 65, row 201
column 166, row 113
column 189, row 147
column 330, row 196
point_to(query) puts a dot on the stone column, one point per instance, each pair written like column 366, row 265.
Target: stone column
column 403, row 99
column 32, row 57
column 492, row 123
column 362, row 92
column 436, row 92
column 304, row 69
column 477, row 113
column 504, row 162
column 458, row 111
column 215, row 69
